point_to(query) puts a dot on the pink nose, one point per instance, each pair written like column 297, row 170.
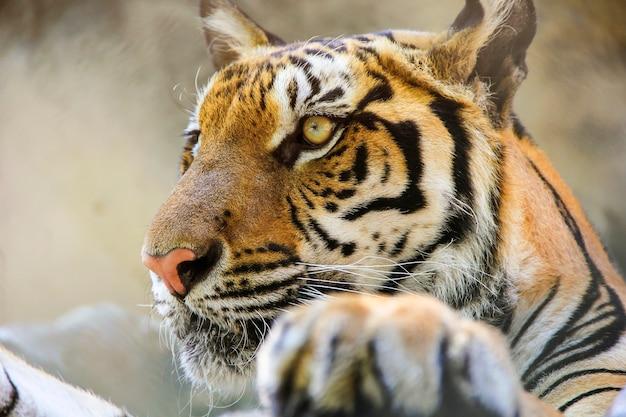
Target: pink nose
column 166, row 267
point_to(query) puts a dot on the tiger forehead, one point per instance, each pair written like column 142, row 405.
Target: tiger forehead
column 265, row 94
column 278, row 87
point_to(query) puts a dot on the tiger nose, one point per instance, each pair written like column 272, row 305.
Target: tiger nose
column 180, row 269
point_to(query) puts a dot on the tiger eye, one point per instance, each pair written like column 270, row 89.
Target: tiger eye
column 318, row 130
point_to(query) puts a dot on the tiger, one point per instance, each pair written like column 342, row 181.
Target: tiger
column 381, row 192
column 364, row 226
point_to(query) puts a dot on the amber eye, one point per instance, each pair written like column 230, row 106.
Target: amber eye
column 318, row 130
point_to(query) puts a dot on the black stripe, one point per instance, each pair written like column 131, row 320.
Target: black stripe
column 14, row 398
column 400, row 245
column 330, row 243
column 448, row 112
column 306, row 199
column 318, row 52
column 360, row 164
column 260, row 289
column 578, row 374
column 260, row 267
column 531, row 319
column 273, row 305
column 407, row 136
column 293, row 211
column 275, row 247
column 348, row 249
column 594, row 320
column 292, row 92
column 604, row 339
column 332, row 95
column 380, row 92
column 331, row 207
column 345, row 194
column 502, row 310
column 306, row 67
column 586, row 395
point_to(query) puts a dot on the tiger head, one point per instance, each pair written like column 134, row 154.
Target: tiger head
column 367, row 163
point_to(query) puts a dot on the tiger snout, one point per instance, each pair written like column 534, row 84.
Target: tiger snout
column 184, row 243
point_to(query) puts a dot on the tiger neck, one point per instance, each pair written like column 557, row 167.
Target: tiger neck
column 549, row 254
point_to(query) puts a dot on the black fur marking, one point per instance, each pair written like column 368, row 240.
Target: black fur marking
column 306, row 199
column 319, row 52
column 345, row 194
column 14, row 398
column 586, row 395
column 331, row 207
column 293, row 211
column 380, row 92
column 332, row 95
column 344, row 176
column 407, row 136
column 292, row 92
column 306, row 67
column 503, row 312
column 275, row 247
column 382, row 247
column 448, row 111
column 399, row 246
column 598, row 342
column 281, row 304
column 300, row 63
column 348, row 249
column 360, row 164
column 260, row 267
column 329, row 242
column 531, row 319
column 289, row 150
column 578, row 374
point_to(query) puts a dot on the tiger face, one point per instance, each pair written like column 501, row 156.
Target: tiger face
column 362, row 164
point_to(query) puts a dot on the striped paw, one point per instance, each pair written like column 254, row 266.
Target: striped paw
column 377, row 356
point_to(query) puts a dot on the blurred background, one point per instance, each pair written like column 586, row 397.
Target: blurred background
column 93, row 99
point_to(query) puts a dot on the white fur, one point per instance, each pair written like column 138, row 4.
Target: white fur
column 41, row 395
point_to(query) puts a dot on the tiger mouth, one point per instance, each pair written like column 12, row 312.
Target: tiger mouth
column 224, row 340
column 225, row 344
column 208, row 346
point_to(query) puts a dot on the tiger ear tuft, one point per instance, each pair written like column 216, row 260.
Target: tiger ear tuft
column 229, row 32
column 488, row 41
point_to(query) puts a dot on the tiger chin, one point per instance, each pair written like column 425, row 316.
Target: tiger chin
column 368, row 217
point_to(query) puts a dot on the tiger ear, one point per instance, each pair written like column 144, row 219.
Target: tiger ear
column 487, row 42
column 229, row 32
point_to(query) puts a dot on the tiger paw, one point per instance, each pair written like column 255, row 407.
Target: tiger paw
column 376, row 356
